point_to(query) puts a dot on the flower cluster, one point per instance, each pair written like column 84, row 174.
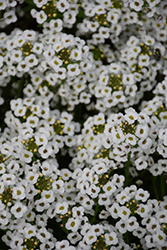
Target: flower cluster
column 83, row 138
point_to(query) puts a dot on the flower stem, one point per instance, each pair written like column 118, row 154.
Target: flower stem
column 20, row 88
column 162, row 186
column 95, row 215
column 155, row 188
column 127, row 165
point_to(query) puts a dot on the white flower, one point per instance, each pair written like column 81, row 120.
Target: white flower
column 69, row 128
column 73, row 224
column 70, row 140
column 160, row 237
column 6, row 149
column 143, row 210
column 31, row 60
column 122, row 197
column 40, row 139
column 87, row 203
column 118, row 180
column 37, row 48
column 32, row 121
column 18, row 192
column 100, row 9
column 136, row 5
column 118, row 96
column 145, row 144
column 56, row 25
column 61, row 207
column 18, row 210
column 41, row 220
column 44, row 112
column 2, row 187
column 104, row 32
column 2, row 168
column 78, row 212
column 76, row 54
column 73, row 69
column 41, row 205
column 58, row 186
column 62, row 244
column 41, row 17
column 114, row 210
column 149, row 239
column 23, row 66
column 31, row 191
column 29, row 91
column 28, row 101
column 26, row 156
column 4, row 217
column 90, row 237
column 43, row 234
column 26, row 132
column 139, row 232
column 48, row 195
column 62, row 5
column 111, row 238
column 161, row 216
column 10, row 17
column 16, row 242
column 128, row 79
column 67, row 40
column 106, row 142
column 46, row 168
column 132, row 223
column 40, row 3
column 29, row 231
column 142, row 131
column 66, row 117
column 3, row 5
column 155, row 169
column 49, row 53
column 152, row 225
column 99, row 119
column 16, row 55
column 109, row 188
column 121, row 225
column 45, row 151
column 65, row 174
column 74, row 237
column 163, row 117
column 124, row 213
column 131, row 139
column 31, row 177
column 117, row 135
column 144, row 60
column 140, row 163
column 153, row 205
column 131, row 115
column 113, row 16
column 83, row 185
column 51, row 212
column 55, row 62
column 9, row 179
column 20, row 111
column 142, row 195
column 106, row 91
column 93, row 191
column 47, row 245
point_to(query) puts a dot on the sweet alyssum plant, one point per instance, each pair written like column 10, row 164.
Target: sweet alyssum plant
column 83, row 141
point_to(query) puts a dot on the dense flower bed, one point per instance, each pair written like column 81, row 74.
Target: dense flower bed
column 83, row 139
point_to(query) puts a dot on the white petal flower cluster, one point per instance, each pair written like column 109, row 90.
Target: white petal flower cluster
column 83, row 137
